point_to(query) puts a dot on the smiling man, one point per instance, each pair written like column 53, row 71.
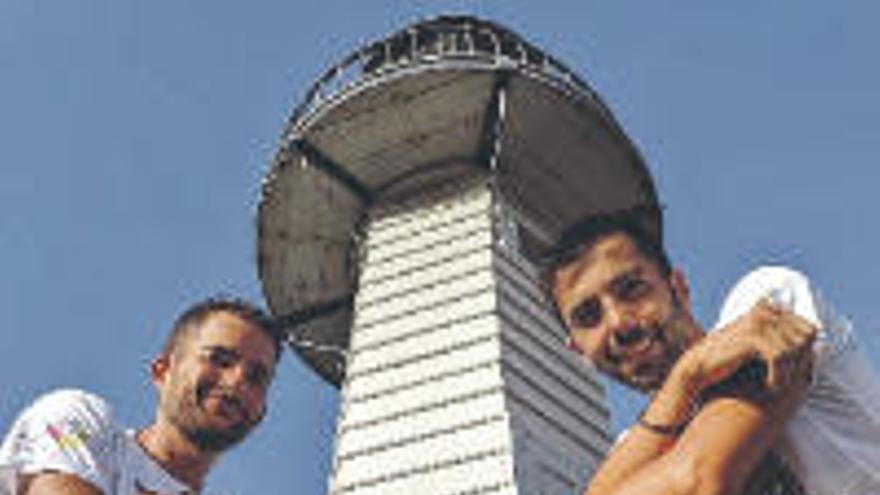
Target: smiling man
column 776, row 399
column 212, row 377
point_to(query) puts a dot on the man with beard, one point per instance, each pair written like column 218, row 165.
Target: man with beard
column 211, row 377
column 776, row 399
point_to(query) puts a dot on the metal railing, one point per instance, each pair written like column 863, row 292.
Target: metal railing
column 443, row 39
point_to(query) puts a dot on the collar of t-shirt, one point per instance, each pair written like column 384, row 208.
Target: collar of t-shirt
column 151, row 478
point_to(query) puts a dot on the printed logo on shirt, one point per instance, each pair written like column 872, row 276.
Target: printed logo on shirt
column 70, row 435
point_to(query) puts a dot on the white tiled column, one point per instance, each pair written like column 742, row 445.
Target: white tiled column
column 457, row 382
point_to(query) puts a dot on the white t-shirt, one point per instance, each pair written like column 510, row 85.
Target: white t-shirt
column 833, row 441
column 73, row 432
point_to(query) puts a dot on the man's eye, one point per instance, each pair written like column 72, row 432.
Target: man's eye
column 222, row 358
column 630, row 288
column 585, row 315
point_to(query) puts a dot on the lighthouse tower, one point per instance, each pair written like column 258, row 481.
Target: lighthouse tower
column 399, row 227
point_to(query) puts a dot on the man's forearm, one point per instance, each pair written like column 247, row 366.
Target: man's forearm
column 672, row 405
column 716, row 453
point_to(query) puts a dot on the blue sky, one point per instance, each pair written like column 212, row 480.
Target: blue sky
column 134, row 135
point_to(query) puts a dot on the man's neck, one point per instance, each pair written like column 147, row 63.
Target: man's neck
column 176, row 454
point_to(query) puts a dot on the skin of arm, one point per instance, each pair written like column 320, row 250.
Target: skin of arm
column 733, row 429
column 50, row 483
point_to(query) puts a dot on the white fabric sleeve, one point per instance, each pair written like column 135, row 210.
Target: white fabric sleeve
column 792, row 290
column 67, row 431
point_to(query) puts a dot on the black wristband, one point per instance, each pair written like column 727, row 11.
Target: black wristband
column 665, row 430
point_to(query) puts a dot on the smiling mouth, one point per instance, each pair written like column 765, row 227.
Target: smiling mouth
column 634, row 342
column 634, row 362
column 228, row 406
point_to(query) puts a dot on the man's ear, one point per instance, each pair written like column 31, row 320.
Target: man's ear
column 159, row 368
column 680, row 288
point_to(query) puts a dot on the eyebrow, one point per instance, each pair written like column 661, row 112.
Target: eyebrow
column 216, row 347
column 635, row 271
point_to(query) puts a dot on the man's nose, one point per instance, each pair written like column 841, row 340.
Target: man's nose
column 617, row 319
column 623, row 332
column 235, row 377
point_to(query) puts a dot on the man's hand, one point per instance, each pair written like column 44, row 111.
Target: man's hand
column 767, row 334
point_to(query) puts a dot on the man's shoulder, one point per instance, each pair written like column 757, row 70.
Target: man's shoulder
column 64, row 431
column 783, row 285
column 72, row 398
column 67, row 418
column 71, row 403
column 769, row 279
column 795, row 291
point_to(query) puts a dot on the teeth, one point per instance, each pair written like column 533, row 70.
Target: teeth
column 645, row 343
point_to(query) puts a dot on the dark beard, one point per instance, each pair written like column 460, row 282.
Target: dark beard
column 215, row 440
column 649, row 377
column 652, row 376
column 186, row 416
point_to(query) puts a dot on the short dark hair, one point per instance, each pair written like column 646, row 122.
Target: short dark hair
column 193, row 316
column 640, row 225
column 589, row 230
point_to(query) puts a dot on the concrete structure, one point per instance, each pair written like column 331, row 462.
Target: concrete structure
column 399, row 228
